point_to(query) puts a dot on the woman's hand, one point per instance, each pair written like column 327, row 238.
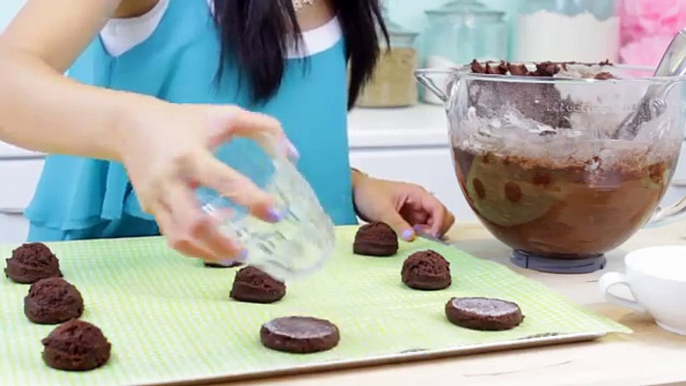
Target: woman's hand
column 407, row 208
column 167, row 151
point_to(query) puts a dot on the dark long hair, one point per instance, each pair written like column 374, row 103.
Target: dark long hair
column 257, row 32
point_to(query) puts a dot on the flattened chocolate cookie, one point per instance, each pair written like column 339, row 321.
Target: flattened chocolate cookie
column 53, row 301
column 231, row 264
column 32, row 262
column 375, row 239
column 299, row 335
column 255, row 286
column 483, row 313
column 76, row 346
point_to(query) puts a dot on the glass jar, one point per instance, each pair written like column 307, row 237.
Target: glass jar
column 298, row 245
column 568, row 30
column 393, row 83
column 461, row 32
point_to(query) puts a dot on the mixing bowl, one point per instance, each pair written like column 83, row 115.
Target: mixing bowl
column 539, row 160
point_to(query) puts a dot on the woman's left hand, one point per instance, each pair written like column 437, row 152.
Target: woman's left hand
column 407, row 208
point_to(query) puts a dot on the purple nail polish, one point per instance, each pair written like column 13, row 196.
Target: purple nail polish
column 243, row 255
column 295, row 154
column 290, row 149
column 275, row 215
column 407, row 234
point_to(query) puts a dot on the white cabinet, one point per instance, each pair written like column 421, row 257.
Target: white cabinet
column 20, row 177
column 14, row 228
column 19, row 174
column 429, row 168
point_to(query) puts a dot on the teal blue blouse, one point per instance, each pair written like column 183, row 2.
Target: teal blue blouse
column 81, row 198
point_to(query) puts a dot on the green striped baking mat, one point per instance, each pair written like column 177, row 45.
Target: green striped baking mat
column 170, row 319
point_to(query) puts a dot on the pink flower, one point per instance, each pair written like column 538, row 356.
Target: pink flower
column 640, row 18
column 645, row 52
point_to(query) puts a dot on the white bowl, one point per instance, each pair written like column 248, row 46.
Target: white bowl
column 656, row 277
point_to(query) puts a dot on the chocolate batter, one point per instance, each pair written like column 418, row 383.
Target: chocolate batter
column 299, row 335
column 32, row 262
column 53, row 301
column 530, row 99
column 76, row 346
column 555, row 208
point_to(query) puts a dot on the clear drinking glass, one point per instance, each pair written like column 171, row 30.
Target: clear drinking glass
column 541, row 163
column 299, row 244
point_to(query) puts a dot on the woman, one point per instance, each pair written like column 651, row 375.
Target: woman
column 156, row 85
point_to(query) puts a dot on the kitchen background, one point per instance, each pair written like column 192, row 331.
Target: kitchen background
column 397, row 132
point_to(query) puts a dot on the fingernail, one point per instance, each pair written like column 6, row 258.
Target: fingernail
column 243, row 255
column 408, row 234
column 290, row 149
column 227, row 263
column 275, row 215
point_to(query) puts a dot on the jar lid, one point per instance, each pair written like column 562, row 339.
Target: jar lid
column 392, row 27
column 464, row 7
column 463, row 3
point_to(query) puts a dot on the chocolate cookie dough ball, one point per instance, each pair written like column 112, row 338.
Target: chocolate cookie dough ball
column 255, row 286
column 483, row 313
column 375, row 239
column 76, row 346
column 299, row 335
column 426, row 270
column 32, row 262
column 53, row 301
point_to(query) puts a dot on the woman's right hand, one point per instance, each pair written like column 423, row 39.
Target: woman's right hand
column 167, row 151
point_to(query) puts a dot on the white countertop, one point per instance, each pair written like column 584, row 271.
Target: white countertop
column 421, row 125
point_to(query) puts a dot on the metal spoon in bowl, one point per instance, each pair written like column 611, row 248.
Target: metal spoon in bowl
column 652, row 105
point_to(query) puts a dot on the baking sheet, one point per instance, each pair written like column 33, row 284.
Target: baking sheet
column 170, row 319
